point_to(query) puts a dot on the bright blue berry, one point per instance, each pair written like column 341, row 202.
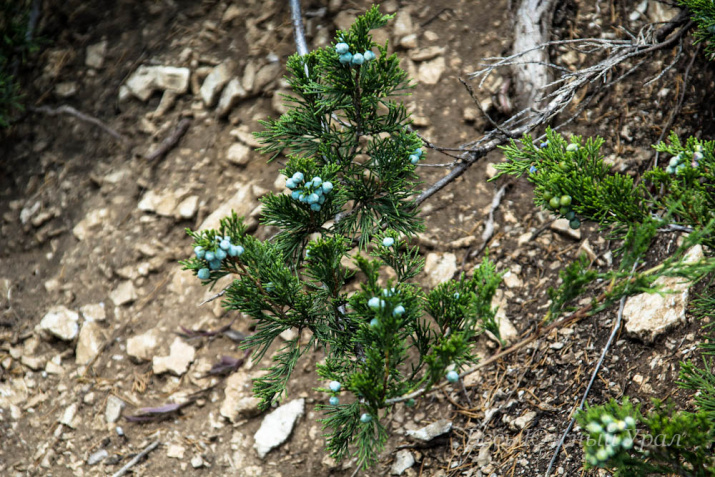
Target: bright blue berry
column 317, row 181
column 297, row 177
column 290, row 183
column 456, row 296
column 374, row 323
column 204, row 274
column 327, row 187
column 220, row 254
column 334, row 386
column 374, row 303
column 365, row 418
column 239, row 251
column 418, row 152
column 544, row 144
column 345, row 58
column 199, row 251
column 321, row 201
column 342, row 48
column 388, row 242
column 358, row 59
column 295, row 194
column 532, row 170
column 674, row 161
column 399, row 310
column 225, row 244
column 315, row 207
column 414, row 158
column 215, row 264
column 698, row 156
column 210, row 256
column 313, row 198
column 369, row 55
column 334, row 401
column 452, row 377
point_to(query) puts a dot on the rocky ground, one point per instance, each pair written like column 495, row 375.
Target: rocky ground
column 96, row 312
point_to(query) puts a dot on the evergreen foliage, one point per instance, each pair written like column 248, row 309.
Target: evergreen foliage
column 703, row 13
column 14, row 47
column 390, row 337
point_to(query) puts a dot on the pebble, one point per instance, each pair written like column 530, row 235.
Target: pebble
column 402, row 25
column 277, row 426
column 239, row 401
column 91, row 220
column 94, row 312
column 215, row 81
column 232, row 94
column 431, row 71
column 66, row 89
column 89, row 344
column 404, row 459
column 187, row 208
column 97, row 457
column 161, row 203
column 175, row 451
column 522, row 422
column 238, row 154
column 266, row 75
column 197, row 461
column 428, row 53
column 59, row 322
column 440, row 267
column 124, row 293
column 69, row 415
column 95, row 54
column 141, row 347
column 148, row 79
column 409, row 42
column 114, row 408
column 180, row 357
column 431, row 431
column 562, row 226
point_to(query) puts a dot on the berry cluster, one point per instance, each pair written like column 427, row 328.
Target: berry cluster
column 335, row 387
column 562, row 205
column 611, row 435
column 416, row 156
column 347, row 58
column 312, row 192
column 213, row 256
column 678, row 163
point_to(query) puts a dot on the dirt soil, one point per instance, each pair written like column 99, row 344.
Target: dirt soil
column 88, row 223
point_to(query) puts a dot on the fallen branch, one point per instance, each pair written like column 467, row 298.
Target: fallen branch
column 81, row 116
column 170, row 142
column 137, row 458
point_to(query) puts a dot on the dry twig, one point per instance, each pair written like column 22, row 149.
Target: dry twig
column 171, row 141
column 136, row 459
column 81, row 116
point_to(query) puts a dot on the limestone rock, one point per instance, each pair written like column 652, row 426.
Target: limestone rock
column 266, row 75
column 66, row 89
column 90, row 221
column 94, row 312
column 562, row 226
column 187, row 208
column 114, row 409
column 141, row 347
column 95, row 54
column 238, row 154
column 649, row 315
column 403, row 461
column 68, row 417
column 231, row 13
column 431, row 71
column 59, row 322
column 424, row 54
column 89, row 344
column 440, row 267
column 507, row 331
column 163, row 204
column 522, row 422
column 431, row 431
column 180, row 357
column 277, row 426
column 215, row 81
column 232, row 94
column 243, row 202
column 403, row 24
column 147, row 79
column 239, row 401
column 124, row 293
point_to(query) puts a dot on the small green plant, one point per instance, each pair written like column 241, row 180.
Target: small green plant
column 661, row 442
column 703, row 13
column 350, row 173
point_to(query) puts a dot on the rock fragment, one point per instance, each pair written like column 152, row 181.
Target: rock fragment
column 114, row 408
column 431, row 431
column 187, row 208
column 239, row 401
column 89, row 344
column 403, row 461
column 215, row 81
column 431, row 71
column 97, row 457
column 277, row 426
column 94, row 312
column 562, row 226
column 95, row 55
column 59, row 322
column 141, row 347
column 148, row 79
column 238, row 154
column 440, row 267
column 232, row 94
column 124, row 293
column 180, row 357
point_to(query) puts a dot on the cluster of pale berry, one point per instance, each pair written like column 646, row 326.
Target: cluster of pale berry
column 347, row 58
column 312, row 192
column 678, row 163
column 416, row 156
column 334, row 400
column 611, row 435
column 215, row 255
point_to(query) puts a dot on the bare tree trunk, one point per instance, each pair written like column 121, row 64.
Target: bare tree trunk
column 532, row 28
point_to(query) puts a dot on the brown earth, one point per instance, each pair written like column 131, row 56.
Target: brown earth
column 73, row 234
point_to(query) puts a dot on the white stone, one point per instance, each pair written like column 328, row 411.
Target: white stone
column 243, row 202
column 277, row 426
column 163, row 203
column 522, row 422
column 66, row 89
column 94, row 312
column 91, row 220
column 28, row 211
column 232, row 94
column 266, row 75
column 59, row 322
column 512, row 280
column 215, row 81
column 147, row 79
column 409, row 42
column 431, row 71
column 180, row 357
column 403, row 461
column 89, row 344
column 114, row 408
column 238, row 154
column 175, row 451
column 403, row 24
column 187, row 208
column 97, row 457
column 239, row 401
column 440, row 267
column 231, row 13
column 68, row 417
column 95, row 54
column 562, row 226
column 123, row 294
column 249, row 76
column 650, row 315
column 197, row 461
column 431, row 431
column 141, row 347
column 424, row 54
column 507, row 331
